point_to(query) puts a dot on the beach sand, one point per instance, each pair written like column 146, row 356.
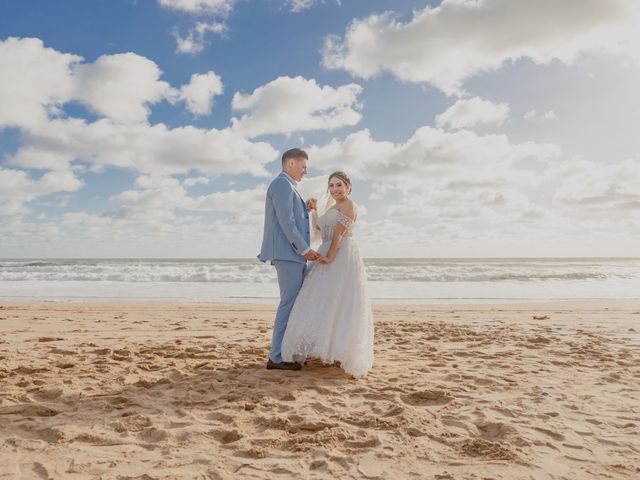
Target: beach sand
column 163, row 391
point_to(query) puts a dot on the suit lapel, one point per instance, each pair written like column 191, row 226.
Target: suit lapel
column 294, row 189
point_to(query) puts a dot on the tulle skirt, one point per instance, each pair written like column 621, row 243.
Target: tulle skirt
column 331, row 318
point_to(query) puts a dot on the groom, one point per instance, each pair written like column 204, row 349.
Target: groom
column 285, row 243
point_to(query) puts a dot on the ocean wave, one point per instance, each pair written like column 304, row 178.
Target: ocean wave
column 138, row 272
column 391, row 274
column 378, row 270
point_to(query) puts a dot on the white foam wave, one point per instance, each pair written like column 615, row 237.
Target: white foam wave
column 378, row 270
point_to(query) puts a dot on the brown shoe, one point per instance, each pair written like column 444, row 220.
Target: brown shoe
column 283, row 365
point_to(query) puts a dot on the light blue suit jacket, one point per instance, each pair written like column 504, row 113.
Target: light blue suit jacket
column 286, row 222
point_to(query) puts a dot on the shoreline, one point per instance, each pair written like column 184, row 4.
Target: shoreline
column 266, row 301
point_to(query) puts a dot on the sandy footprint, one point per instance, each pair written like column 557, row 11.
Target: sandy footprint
column 49, row 339
column 555, row 435
column 427, row 398
column 40, row 471
column 29, row 410
column 48, row 393
column 153, row 435
column 479, row 447
column 225, row 436
column 132, row 423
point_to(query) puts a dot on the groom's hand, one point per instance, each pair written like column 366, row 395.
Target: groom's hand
column 312, row 203
column 312, row 255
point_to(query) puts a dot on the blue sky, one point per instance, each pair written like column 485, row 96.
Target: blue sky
column 152, row 128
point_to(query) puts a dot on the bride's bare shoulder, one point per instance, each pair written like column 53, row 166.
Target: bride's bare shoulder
column 349, row 208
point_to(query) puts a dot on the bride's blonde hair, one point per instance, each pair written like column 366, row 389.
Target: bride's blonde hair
column 340, row 175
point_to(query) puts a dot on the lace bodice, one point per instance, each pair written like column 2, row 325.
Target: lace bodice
column 325, row 225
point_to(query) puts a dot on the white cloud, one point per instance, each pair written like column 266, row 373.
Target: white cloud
column 578, row 196
column 17, row 188
column 121, row 86
column 151, row 149
column 599, row 188
column 429, row 153
column 40, row 158
column 102, row 235
column 379, row 190
column 157, row 198
column 533, row 115
column 199, row 92
column 200, row 7
column 34, row 80
column 195, row 41
column 232, row 201
column 497, row 203
column 190, row 182
column 470, row 112
column 154, row 201
column 88, row 226
column 480, row 181
column 287, row 105
column 458, row 39
column 299, row 5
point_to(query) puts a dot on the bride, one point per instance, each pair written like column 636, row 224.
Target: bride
column 331, row 318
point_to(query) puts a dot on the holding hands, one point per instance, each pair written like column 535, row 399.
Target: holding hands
column 312, row 255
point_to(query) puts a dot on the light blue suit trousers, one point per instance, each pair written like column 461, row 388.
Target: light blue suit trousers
column 290, row 277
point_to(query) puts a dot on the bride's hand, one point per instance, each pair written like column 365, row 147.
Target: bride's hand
column 324, row 260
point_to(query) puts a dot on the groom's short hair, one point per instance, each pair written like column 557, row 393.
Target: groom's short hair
column 294, row 153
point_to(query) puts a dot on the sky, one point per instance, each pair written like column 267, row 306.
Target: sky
column 470, row 128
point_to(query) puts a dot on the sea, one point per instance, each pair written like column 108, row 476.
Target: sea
column 390, row 280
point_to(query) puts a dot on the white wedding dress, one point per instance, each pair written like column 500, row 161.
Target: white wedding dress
column 331, row 318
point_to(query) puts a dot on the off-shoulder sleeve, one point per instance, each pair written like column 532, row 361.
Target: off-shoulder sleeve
column 344, row 220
